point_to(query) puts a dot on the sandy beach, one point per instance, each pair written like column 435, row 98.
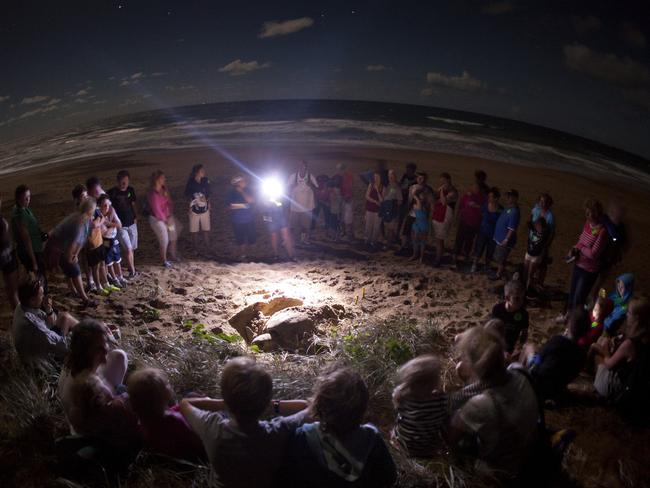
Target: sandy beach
column 378, row 285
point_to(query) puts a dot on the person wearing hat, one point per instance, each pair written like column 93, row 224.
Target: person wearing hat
column 240, row 201
column 505, row 232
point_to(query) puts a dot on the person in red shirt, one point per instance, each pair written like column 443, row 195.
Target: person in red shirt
column 602, row 308
column 469, row 213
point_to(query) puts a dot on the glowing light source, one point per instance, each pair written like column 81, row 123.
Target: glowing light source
column 272, row 188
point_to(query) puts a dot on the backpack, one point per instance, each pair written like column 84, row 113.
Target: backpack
column 634, row 400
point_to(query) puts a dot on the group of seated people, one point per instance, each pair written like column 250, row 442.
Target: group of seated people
column 323, row 441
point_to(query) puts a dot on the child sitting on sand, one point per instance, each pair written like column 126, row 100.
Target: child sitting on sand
column 338, row 450
column 235, row 440
column 602, row 308
column 420, row 227
column 421, row 407
column 513, row 313
column 162, row 428
column 560, row 360
column 621, row 298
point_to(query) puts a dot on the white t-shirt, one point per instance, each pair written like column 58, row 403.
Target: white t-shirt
column 301, row 193
column 504, row 419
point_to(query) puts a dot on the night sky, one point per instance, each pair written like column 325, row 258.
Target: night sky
column 581, row 67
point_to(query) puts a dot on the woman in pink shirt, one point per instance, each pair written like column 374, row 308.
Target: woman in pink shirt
column 587, row 254
column 469, row 213
column 161, row 217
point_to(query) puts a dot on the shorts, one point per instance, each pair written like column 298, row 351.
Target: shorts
column 534, row 259
column 275, row 221
column 301, row 221
column 10, row 264
column 95, row 256
column 501, row 253
column 441, row 230
column 484, row 243
column 199, row 221
column 607, row 383
column 164, row 234
column 70, row 270
column 244, row 233
column 347, row 213
column 408, row 223
column 128, row 237
column 112, row 255
column 27, row 262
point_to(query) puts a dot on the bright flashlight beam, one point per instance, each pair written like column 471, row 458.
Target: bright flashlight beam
column 272, row 188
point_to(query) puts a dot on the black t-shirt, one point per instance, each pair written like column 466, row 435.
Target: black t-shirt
column 123, row 204
column 560, row 362
column 516, row 323
column 198, row 194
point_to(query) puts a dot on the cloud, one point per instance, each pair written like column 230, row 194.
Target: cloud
column 377, row 67
column 34, row 99
column 52, row 102
column 606, row 66
column 40, row 110
column 498, row 8
column 4, row 99
column 463, row 82
column 134, row 79
column 274, row 28
column 584, row 25
column 81, row 93
column 238, row 67
column 633, row 35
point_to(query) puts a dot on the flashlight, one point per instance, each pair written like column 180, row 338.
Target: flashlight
column 272, row 188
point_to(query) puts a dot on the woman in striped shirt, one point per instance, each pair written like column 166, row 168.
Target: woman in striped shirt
column 587, row 254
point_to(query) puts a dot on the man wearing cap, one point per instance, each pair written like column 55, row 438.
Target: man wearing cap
column 505, row 232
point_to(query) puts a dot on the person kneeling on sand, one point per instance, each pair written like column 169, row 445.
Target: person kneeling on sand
column 234, row 439
column 40, row 334
column 338, row 450
column 162, row 428
column 92, row 391
column 512, row 312
column 161, row 218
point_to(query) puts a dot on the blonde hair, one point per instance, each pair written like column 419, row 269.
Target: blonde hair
column 639, row 327
column 417, row 378
column 87, row 205
column 483, row 348
column 149, row 393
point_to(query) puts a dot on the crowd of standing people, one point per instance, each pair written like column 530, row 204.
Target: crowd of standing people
column 496, row 418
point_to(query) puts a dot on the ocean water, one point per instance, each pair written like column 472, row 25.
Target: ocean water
column 330, row 122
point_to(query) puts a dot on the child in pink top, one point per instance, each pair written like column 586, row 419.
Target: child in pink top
column 162, row 428
column 161, row 218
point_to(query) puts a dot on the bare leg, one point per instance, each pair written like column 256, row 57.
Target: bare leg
column 172, row 250
column 66, row 322
column 287, row 240
column 117, row 269
column 128, row 256
column 114, row 370
column 163, row 252
column 274, row 243
column 78, row 287
column 11, row 288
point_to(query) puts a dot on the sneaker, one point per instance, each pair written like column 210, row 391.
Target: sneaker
column 105, row 291
column 167, row 264
column 123, row 282
column 133, row 275
column 114, row 288
column 92, row 288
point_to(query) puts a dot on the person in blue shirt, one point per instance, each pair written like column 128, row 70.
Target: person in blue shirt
column 543, row 209
column 505, row 232
column 240, row 201
column 621, row 297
